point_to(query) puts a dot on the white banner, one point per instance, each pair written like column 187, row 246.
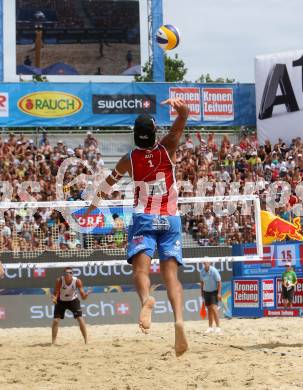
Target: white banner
column 279, row 96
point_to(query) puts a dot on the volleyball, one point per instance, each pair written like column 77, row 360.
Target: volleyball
column 168, row 37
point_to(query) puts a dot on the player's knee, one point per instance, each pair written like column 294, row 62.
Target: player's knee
column 56, row 321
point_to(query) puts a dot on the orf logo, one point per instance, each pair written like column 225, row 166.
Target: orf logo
column 4, row 104
column 50, row 104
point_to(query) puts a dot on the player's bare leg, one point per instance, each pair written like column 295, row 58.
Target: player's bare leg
column 1, row 271
column 55, row 327
column 82, row 328
column 141, row 267
column 169, row 271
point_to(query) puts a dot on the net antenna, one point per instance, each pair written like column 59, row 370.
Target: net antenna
column 35, row 234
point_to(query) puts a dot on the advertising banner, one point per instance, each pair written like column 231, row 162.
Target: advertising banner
column 98, row 309
column 99, row 275
column 298, row 293
column 103, row 219
column 118, row 104
column 192, row 97
column 218, row 104
column 246, row 293
column 279, row 96
column 282, row 313
column 268, row 293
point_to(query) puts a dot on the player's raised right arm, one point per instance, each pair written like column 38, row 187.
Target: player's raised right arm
column 172, row 139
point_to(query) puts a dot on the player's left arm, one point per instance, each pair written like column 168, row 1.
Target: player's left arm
column 172, row 139
column 296, row 279
column 122, row 167
column 79, row 286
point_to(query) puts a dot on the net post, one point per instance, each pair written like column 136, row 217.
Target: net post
column 259, row 243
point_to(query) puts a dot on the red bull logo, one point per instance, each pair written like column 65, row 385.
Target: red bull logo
column 279, row 229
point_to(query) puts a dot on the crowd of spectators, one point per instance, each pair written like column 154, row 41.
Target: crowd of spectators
column 113, row 15
column 200, row 159
column 56, row 13
column 65, row 14
column 220, row 165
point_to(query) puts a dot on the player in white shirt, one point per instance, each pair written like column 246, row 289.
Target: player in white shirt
column 66, row 298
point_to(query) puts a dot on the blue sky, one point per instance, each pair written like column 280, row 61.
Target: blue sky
column 222, row 37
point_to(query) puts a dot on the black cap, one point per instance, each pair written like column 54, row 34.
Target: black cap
column 145, row 131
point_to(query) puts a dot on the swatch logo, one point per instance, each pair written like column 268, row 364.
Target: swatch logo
column 124, row 104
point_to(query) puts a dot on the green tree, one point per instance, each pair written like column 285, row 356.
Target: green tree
column 174, row 70
column 208, row 79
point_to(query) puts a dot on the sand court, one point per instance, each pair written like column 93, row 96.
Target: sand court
column 262, row 353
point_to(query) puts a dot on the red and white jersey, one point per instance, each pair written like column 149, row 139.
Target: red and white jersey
column 154, row 179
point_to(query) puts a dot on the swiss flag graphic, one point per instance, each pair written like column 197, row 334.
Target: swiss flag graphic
column 2, row 313
column 39, row 273
column 122, row 309
column 155, row 268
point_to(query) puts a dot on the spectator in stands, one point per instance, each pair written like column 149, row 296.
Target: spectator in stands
column 129, row 59
column 72, row 242
column 27, row 61
column 90, row 141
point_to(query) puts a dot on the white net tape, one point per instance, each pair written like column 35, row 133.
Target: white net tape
column 59, row 234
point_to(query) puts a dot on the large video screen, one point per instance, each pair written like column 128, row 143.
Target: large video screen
column 78, row 37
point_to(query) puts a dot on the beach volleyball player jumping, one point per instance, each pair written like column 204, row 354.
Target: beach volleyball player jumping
column 155, row 223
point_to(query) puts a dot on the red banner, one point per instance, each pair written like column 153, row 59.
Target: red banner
column 218, row 104
column 298, row 293
column 268, row 299
column 281, row 313
column 192, row 98
column 246, row 293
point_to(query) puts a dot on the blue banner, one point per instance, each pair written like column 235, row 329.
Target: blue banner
column 30, row 104
column 257, row 285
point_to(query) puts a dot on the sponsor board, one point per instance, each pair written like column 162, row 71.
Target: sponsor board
column 298, row 293
column 268, row 298
column 246, row 293
column 192, row 98
column 218, row 104
column 4, row 105
column 281, row 313
column 99, row 275
column 107, row 308
column 279, row 95
column 268, row 255
column 124, row 104
column 50, row 104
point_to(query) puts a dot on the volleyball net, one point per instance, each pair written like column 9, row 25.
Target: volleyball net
column 62, row 233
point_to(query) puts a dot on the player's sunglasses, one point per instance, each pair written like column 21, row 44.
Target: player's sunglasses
column 68, row 272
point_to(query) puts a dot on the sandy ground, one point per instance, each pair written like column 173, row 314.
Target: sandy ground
column 85, row 58
column 252, row 354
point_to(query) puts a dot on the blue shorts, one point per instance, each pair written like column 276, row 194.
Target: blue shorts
column 149, row 232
